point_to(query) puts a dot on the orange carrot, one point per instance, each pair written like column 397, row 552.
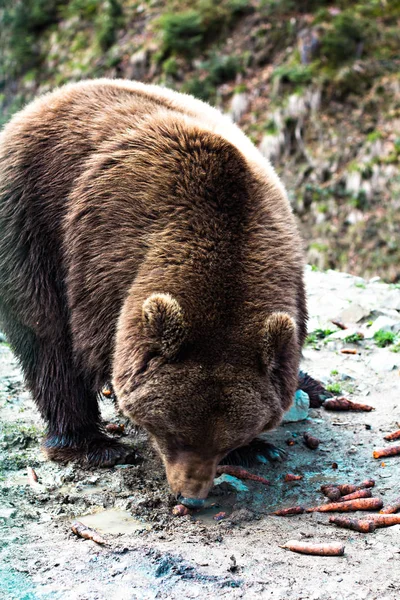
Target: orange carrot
column 393, row 436
column 331, row 492
column 293, row 510
column 293, row 477
column 390, row 451
column 219, row 516
column 115, row 428
column 345, row 404
column 87, row 533
column 361, row 525
column 383, row 520
column 339, row 324
column 350, row 488
column 355, row 495
column 348, row 351
column 32, row 477
column 349, row 506
column 391, row 508
column 241, row 473
column 333, row 549
column 180, row 510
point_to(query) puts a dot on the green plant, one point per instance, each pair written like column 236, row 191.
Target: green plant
column 334, row 388
column 21, row 24
column 294, row 73
column 353, row 338
column 107, row 22
column 384, row 338
column 334, row 372
column 221, row 68
column 181, row 33
column 343, row 39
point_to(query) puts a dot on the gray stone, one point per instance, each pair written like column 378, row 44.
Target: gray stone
column 384, row 361
column 384, row 323
column 7, row 513
column 239, row 106
column 299, row 409
column 232, row 482
column 392, row 300
column 353, row 313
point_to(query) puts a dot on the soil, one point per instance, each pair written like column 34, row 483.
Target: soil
column 151, row 554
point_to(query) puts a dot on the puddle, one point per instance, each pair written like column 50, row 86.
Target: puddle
column 215, row 505
column 114, row 521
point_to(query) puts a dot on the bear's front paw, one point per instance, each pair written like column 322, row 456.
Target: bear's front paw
column 257, row 451
column 97, row 451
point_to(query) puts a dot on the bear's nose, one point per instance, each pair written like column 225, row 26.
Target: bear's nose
column 191, row 502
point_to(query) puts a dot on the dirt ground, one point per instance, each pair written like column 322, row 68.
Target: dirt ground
column 151, row 554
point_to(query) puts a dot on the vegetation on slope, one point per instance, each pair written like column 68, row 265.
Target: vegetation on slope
column 314, row 83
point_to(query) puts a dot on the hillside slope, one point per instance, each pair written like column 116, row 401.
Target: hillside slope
column 315, row 84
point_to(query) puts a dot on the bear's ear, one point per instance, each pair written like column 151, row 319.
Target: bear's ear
column 279, row 330
column 164, row 323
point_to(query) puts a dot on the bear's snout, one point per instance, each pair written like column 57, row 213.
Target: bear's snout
column 190, row 477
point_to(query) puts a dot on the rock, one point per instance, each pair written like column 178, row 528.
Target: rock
column 231, row 482
column 138, row 64
column 392, row 300
column 342, row 334
column 384, row 323
column 7, row 513
column 384, row 361
column 239, row 106
column 353, row 313
column 299, row 409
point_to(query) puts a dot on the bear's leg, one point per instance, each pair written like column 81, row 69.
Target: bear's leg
column 65, row 398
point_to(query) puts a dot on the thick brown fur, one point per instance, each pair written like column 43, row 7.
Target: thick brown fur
column 146, row 240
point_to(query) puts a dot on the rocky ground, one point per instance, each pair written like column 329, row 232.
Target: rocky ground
column 151, row 554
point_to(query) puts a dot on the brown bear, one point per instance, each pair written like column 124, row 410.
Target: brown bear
column 145, row 240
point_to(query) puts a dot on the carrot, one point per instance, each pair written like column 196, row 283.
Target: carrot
column 219, row 516
column 115, row 428
column 350, row 488
column 390, row 451
column 107, row 391
column 348, row 351
column 393, row 436
column 181, row 511
column 345, row 404
column 383, row 520
column 32, row 478
column 331, row 492
column 293, row 510
column 293, row 477
column 333, row 549
column 349, row 506
column 355, row 495
column 241, row 473
column 310, row 441
column 391, row 508
column 339, row 324
column 87, row 533
column 361, row 525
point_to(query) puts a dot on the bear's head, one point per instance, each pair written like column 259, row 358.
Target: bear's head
column 197, row 409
